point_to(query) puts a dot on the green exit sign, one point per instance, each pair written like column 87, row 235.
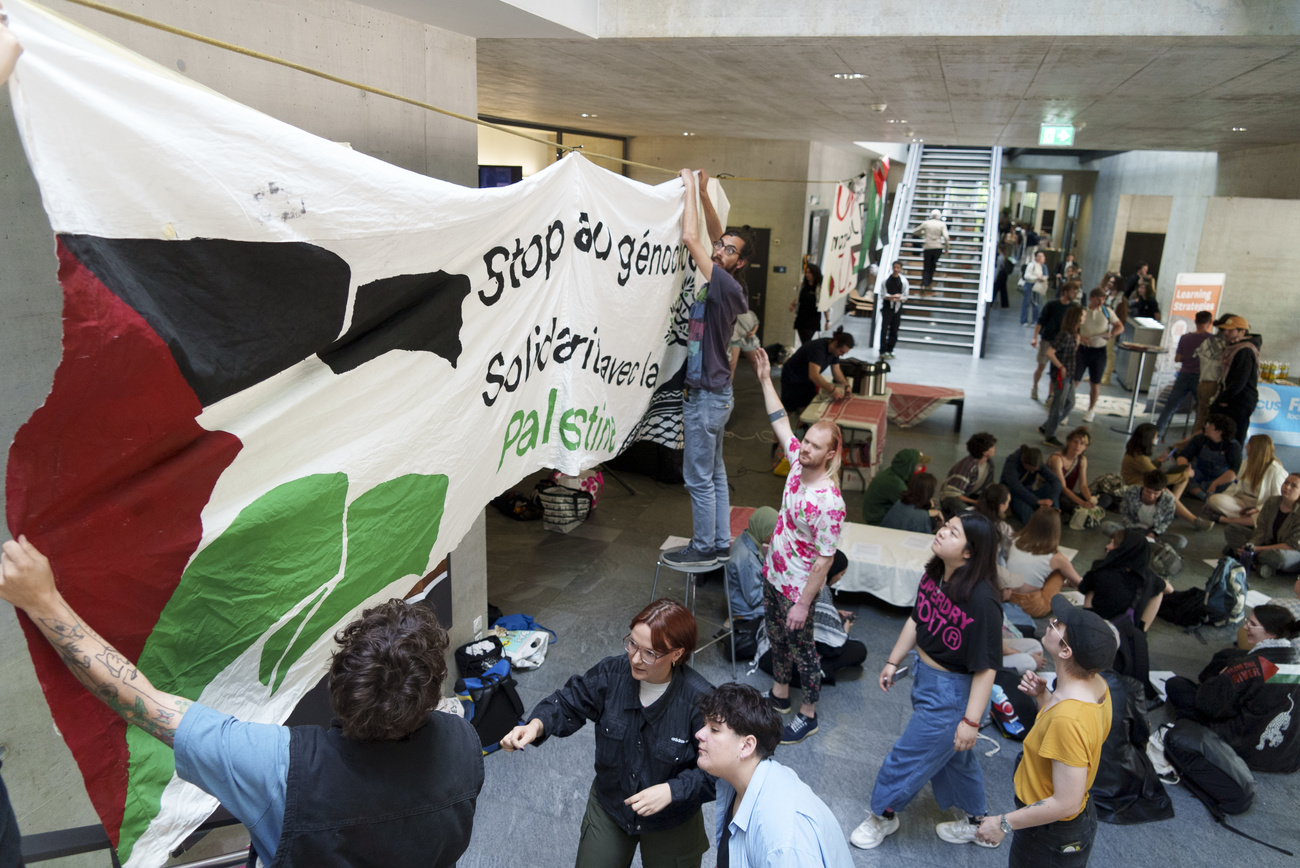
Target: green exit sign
column 1056, row 134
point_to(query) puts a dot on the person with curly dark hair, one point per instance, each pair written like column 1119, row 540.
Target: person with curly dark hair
column 648, row 790
column 393, row 782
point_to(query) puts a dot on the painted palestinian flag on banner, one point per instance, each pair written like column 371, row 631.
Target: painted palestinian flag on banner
column 843, row 243
column 292, row 377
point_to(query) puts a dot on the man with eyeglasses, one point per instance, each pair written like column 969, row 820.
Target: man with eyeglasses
column 707, row 397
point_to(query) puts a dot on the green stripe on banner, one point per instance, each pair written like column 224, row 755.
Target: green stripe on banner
column 278, row 551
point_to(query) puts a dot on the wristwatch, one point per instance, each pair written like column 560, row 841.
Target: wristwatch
column 1006, row 827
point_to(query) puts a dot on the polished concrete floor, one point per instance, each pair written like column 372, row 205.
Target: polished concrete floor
column 587, row 586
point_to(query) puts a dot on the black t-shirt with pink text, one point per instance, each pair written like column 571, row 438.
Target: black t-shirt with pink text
column 964, row 638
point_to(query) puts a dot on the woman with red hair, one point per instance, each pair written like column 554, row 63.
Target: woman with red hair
column 647, row 790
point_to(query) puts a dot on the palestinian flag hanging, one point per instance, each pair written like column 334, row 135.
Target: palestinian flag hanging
column 292, row 377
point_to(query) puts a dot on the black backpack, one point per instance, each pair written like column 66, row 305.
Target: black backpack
column 1213, row 772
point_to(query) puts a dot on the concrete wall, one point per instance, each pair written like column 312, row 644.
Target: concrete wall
column 721, row 18
column 779, row 207
column 1187, row 177
column 342, row 37
column 1265, row 173
column 1252, row 241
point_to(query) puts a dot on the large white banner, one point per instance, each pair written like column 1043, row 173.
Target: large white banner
column 293, row 375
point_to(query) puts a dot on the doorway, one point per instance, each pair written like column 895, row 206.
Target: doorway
column 755, row 277
column 1139, row 247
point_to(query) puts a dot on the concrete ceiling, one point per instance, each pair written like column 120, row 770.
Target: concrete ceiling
column 1175, row 93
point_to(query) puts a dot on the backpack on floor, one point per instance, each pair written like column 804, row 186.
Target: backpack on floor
column 1213, row 772
column 1225, row 594
column 1108, row 484
column 492, row 704
column 1166, row 562
column 475, row 658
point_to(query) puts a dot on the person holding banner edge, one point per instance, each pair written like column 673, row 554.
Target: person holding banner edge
column 707, row 397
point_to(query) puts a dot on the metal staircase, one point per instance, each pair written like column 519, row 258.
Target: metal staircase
column 962, row 184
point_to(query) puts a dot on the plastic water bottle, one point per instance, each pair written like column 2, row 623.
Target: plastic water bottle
column 1005, row 712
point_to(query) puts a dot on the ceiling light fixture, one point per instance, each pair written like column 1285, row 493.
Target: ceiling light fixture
column 688, row 134
column 848, row 76
column 892, row 121
column 1238, row 129
column 586, row 115
column 879, row 107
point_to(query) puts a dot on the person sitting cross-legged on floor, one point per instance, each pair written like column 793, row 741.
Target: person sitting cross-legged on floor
column 1137, row 463
column 1121, row 584
column 1031, row 485
column 887, row 486
column 969, row 476
column 915, row 510
column 1213, row 456
column 1237, row 506
column 1240, row 696
column 1150, row 507
column 1277, row 533
column 1037, row 560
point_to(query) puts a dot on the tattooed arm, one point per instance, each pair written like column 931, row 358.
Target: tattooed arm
column 28, row 583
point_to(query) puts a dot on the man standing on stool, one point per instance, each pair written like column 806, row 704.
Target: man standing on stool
column 800, row 556
column 707, row 402
column 891, row 310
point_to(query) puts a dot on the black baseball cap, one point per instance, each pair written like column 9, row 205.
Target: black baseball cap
column 1093, row 641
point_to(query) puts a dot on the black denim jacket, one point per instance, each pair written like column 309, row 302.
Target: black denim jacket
column 636, row 747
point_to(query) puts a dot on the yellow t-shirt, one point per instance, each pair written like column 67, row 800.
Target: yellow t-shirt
column 1072, row 732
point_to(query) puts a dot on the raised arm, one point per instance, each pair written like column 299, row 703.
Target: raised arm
column 28, row 583
column 712, row 225
column 771, row 402
column 691, row 227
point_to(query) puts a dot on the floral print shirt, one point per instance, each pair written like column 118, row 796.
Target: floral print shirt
column 807, row 527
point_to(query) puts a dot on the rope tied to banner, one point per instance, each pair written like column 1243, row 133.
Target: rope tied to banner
column 378, row 91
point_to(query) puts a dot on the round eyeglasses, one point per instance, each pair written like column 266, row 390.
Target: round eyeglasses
column 648, row 655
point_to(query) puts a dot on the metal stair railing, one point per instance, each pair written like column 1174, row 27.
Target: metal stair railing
column 898, row 220
column 990, row 258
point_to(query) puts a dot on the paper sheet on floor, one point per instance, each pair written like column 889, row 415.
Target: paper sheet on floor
column 675, row 542
column 1158, row 679
column 1256, row 598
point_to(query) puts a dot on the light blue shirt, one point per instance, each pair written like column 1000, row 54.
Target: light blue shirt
column 244, row 765
column 781, row 823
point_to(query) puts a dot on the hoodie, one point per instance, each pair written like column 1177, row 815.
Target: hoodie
column 888, row 485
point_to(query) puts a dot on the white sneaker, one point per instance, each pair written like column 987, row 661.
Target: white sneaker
column 1089, row 416
column 960, row 832
column 872, row 831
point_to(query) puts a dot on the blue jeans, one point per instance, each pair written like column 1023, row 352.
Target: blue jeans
column 1028, row 299
column 1023, row 510
column 1062, row 404
column 1184, row 385
column 924, row 752
column 704, row 420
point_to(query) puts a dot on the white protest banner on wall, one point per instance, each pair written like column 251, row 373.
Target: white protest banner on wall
column 293, row 375
column 843, row 244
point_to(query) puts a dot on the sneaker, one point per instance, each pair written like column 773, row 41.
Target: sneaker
column 1034, row 393
column 1089, row 416
column 1203, row 524
column 872, row 831
column 721, row 556
column 688, row 557
column 960, row 832
column 1052, row 441
column 780, row 703
column 799, row 729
